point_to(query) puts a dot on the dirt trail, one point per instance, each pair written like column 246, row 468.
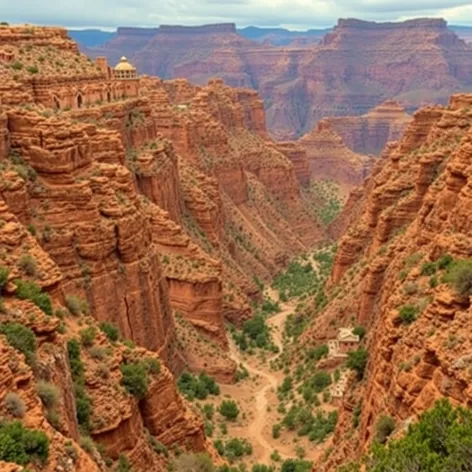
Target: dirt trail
column 256, row 426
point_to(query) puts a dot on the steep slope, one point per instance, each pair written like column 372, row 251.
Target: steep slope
column 388, row 276
column 330, row 158
column 369, row 133
column 150, row 209
column 356, row 67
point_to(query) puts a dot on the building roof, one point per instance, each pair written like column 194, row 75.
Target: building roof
column 124, row 65
column 346, row 334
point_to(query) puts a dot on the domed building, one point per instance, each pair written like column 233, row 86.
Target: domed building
column 124, row 70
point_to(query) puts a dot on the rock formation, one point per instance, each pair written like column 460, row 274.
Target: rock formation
column 355, row 67
column 409, row 214
column 369, row 133
column 150, row 211
column 329, row 157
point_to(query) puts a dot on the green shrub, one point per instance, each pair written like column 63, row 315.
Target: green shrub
column 197, row 387
column 83, row 406
column 320, row 381
column 428, row 268
column 229, row 409
column 440, row 441
column 359, row 331
column 208, row 411
column 110, row 330
column 33, row 292
column 189, row 462
column 53, row 418
column 296, row 465
column 433, row 282
column 357, row 360
column 32, row 69
column 153, row 365
column 318, row 352
column 83, row 403
column 20, row 445
column 408, row 313
column 75, row 362
column 22, row 338
column 157, row 446
column 356, row 414
column 403, row 275
column 87, row 336
column 28, row 265
column 459, row 276
column 135, row 379
column 276, row 431
column 4, row 274
column 123, row 464
column 48, row 393
column 234, row 448
column 384, row 428
column 76, row 305
column 262, row 468
column 444, row 261
column 257, row 330
column 15, row 405
column 17, row 65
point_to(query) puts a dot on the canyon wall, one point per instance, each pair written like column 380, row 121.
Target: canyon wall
column 369, row 133
column 411, row 212
column 329, row 157
column 151, row 211
column 355, row 67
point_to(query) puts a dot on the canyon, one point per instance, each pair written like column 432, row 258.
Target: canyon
column 162, row 255
column 355, row 67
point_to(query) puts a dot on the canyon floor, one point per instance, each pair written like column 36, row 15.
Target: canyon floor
column 256, row 396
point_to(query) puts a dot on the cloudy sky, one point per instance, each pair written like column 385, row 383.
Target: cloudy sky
column 295, row 14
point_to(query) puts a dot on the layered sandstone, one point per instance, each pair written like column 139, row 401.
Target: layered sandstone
column 369, row 133
column 330, row 158
column 412, row 210
column 355, row 67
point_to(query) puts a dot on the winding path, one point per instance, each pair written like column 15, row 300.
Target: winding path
column 256, row 426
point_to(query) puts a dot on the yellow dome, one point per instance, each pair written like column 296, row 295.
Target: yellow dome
column 124, row 65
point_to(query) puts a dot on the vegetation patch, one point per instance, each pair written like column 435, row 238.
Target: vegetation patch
column 20, row 445
column 192, row 386
column 440, row 441
column 22, row 338
column 33, row 292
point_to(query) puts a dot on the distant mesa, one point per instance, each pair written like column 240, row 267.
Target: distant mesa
column 416, row 23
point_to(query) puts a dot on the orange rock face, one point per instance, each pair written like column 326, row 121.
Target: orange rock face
column 355, row 67
column 413, row 210
column 330, row 158
column 154, row 211
column 369, row 133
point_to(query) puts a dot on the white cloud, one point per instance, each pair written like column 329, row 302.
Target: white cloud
column 299, row 13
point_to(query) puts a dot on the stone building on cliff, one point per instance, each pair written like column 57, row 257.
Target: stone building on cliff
column 118, row 83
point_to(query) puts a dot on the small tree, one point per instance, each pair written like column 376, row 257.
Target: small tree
column 110, row 330
column 15, row 405
column 460, row 277
column 384, row 428
column 359, row 331
column 229, row 409
column 135, row 379
column 87, row 336
column 48, row 393
column 357, row 360
column 22, row 338
column 4, row 274
column 408, row 313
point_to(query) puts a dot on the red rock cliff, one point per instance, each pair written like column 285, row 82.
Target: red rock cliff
column 414, row 210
